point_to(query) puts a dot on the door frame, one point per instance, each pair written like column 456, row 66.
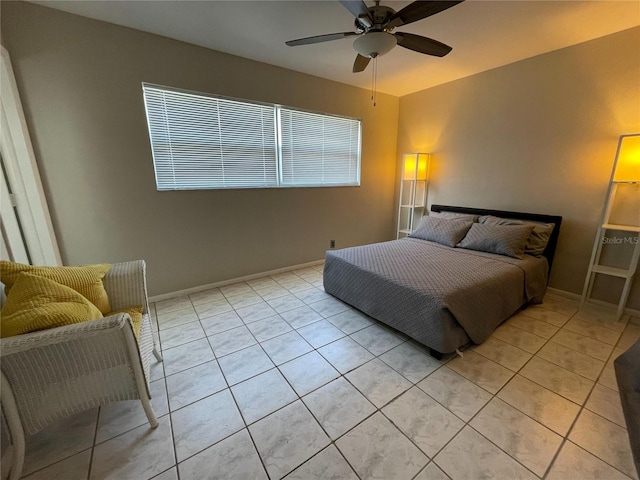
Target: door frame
column 22, row 172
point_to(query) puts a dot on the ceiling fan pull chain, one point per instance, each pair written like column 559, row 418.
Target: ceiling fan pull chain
column 373, row 76
column 375, row 80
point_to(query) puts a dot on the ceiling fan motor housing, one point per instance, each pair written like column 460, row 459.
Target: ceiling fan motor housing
column 380, row 16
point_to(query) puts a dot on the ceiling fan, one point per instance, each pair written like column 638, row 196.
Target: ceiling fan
column 375, row 24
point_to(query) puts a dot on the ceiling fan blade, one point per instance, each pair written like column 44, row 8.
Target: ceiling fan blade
column 360, row 64
column 422, row 44
column 320, row 38
column 417, row 11
column 357, row 8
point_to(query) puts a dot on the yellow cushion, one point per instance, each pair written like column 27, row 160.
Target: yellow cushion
column 87, row 280
column 136, row 318
column 36, row 303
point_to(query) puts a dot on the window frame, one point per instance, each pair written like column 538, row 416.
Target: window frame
column 278, row 141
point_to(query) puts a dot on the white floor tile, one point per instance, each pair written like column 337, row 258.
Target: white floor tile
column 286, row 347
column 338, row 406
column 194, row 384
column 327, row 464
column 345, row 354
column 427, row 423
column 604, row 439
column 541, row 404
column 461, row 396
column 377, row 450
column 268, row 328
column 263, row 394
column 140, row 453
column 119, row 417
column 300, row 317
column 376, row 339
column 246, row 363
column 524, row 439
column 574, row 462
column 481, row 459
column 411, row 363
column 308, row 372
column 287, row 438
column 230, row 341
column 234, row 458
column 205, row 422
column 320, row 333
column 185, row 356
column 75, row 467
column 60, row 440
column 378, row 382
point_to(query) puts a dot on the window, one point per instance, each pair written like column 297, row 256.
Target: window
column 204, row 141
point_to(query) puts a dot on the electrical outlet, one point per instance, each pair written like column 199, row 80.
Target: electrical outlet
column 332, row 244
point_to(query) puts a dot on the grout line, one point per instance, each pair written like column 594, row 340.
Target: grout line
column 93, row 444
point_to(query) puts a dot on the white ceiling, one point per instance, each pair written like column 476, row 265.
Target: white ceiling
column 484, row 34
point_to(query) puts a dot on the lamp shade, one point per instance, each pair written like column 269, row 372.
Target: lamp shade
column 416, row 166
column 374, row 44
column 627, row 168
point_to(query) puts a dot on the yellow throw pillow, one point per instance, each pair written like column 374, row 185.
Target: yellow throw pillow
column 136, row 318
column 37, row 303
column 87, row 280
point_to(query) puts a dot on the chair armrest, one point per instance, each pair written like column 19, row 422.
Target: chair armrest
column 58, row 335
column 126, row 285
column 61, row 371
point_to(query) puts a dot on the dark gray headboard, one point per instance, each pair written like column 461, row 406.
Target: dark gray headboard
column 549, row 252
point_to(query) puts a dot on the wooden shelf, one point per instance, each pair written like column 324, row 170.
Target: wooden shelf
column 405, row 231
column 612, row 271
column 621, row 228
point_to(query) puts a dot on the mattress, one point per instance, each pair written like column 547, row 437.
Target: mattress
column 442, row 297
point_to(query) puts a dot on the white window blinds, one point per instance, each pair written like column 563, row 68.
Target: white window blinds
column 319, row 149
column 203, row 142
column 200, row 141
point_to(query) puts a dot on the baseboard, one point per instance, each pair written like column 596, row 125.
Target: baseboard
column 192, row 290
column 563, row 293
column 601, row 303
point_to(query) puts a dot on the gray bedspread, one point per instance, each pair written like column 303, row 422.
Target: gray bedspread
column 440, row 296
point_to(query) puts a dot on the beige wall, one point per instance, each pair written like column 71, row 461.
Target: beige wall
column 539, row 136
column 80, row 83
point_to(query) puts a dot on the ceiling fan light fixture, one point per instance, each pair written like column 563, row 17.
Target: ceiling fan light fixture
column 374, row 44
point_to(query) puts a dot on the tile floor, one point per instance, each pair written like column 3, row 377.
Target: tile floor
column 274, row 378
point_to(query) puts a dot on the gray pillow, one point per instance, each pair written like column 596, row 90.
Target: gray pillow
column 537, row 241
column 441, row 230
column 454, row 216
column 508, row 240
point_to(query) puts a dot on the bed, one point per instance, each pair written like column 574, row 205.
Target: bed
column 442, row 297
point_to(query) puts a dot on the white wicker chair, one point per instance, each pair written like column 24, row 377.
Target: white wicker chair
column 51, row 374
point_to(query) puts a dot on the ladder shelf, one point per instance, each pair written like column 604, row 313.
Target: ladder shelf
column 631, row 176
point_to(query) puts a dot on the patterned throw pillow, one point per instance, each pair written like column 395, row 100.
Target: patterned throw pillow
column 508, row 240
column 537, row 241
column 87, row 280
column 441, row 230
column 37, row 303
column 454, row 216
